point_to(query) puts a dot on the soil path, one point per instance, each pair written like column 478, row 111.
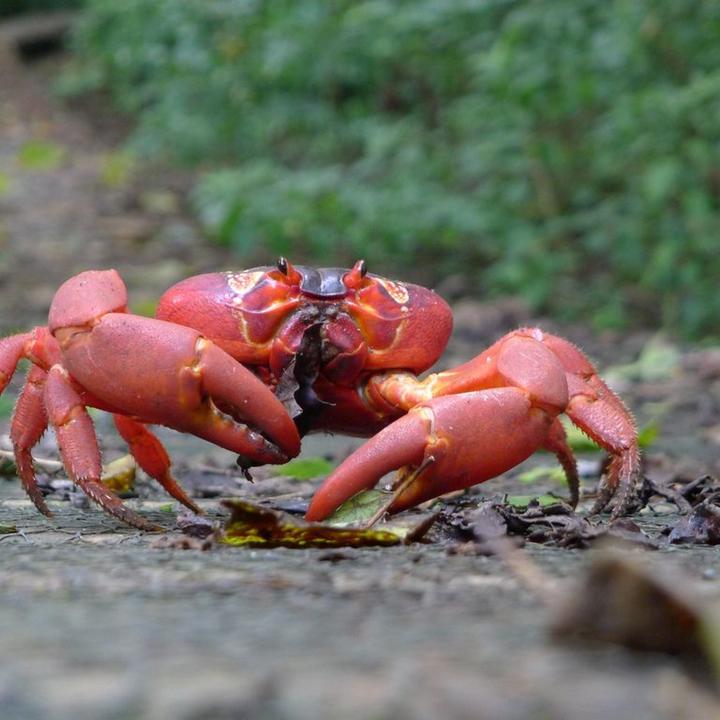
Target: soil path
column 97, row 622
column 70, row 199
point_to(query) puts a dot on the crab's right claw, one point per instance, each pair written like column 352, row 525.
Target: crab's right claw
column 448, row 443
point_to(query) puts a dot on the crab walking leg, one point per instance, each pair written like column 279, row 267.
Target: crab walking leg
column 79, row 448
column 557, row 443
column 606, row 421
column 152, row 457
column 29, row 422
column 11, row 350
column 459, row 440
column 602, row 415
column 38, row 346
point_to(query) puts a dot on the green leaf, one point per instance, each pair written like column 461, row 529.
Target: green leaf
column 545, row 472
column 577, row 439
column 41, row 155
column 648, row 434
column 358, row 509
column 305, row 468
column 523, row 501
column 7, row 529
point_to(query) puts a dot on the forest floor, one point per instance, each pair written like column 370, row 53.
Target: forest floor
column 101, row 622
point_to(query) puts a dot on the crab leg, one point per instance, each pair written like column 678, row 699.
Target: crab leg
column 600, row 413
column 483, row 418
column 152, row 457
column 11, row 350
column 28, row 424
column 38, row 346
column 556, row 442
column 79, row 447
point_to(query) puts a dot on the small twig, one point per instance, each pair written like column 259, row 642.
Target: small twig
column 399, row 490
column 41, row 462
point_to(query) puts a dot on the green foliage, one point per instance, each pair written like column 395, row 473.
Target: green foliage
column 5, row 183
column 41, row 155
column 20, row 7
column 305, row 468
column 7, row 404
column 566, row 150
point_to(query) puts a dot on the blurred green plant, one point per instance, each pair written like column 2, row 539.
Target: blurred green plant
column 305, row 468
column 7, row 404
column 21, row 7
column 566, row 150
column 117, row 169
column 5, row 183
column 41, row 155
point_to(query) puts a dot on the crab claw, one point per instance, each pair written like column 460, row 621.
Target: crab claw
column 448, row 443
column 167, row 374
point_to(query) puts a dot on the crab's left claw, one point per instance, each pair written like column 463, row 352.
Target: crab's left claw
column 448, row 443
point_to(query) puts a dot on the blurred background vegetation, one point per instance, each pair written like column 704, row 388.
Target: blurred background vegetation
column 564, row 150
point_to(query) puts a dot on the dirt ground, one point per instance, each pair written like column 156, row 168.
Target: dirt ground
column 100, row 622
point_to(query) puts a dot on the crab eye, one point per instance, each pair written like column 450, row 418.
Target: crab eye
column 353, row 278
column 282, row 266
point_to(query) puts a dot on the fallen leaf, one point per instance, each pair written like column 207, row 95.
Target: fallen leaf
column 254, row 526
column 119, row 475
column 193, row 525
column 623, row 603
column 556, row 524
column 488, row 524
column 524, row 501
column 626, row 530
column 701, row 527
column 358, row 509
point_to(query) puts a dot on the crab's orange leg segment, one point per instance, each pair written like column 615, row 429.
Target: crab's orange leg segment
column 79, row 448
column 28, row 424
column 556, row 442
column 11, row 350
column 152, row 457
column 600, row 413
column 38, row 346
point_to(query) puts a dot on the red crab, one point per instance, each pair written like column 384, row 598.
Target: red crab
column 253, row 360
